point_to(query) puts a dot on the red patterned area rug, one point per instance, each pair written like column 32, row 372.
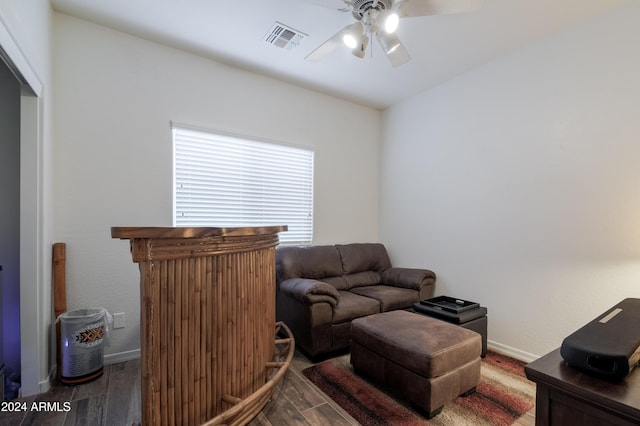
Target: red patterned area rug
column 503, row 395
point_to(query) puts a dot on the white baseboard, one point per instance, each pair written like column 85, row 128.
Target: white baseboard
column 122, row 356
column 512, row 352
column 45, row 385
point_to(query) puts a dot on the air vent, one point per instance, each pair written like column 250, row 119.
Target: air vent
column 284, row 37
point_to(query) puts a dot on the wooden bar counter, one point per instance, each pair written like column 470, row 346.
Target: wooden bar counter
column 207, row 318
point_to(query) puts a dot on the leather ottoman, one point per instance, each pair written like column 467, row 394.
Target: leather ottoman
column 428, row 361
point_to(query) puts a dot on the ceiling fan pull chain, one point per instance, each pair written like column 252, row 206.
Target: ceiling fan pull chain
column 371, row 46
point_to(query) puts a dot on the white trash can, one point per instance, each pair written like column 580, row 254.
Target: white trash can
column 83, row 332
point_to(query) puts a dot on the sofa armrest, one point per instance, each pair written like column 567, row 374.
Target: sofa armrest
column 410, row 278
column 310, row 291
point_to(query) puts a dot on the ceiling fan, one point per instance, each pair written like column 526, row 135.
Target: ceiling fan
column 380, row 18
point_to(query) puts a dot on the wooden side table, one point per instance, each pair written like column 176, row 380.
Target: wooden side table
column 567, row 396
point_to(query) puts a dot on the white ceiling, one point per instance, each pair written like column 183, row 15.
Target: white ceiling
column 441, row 47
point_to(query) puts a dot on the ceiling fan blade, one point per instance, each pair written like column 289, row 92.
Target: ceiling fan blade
column 393, row 48
column 329, row 46
column 399, row 56
column 411, row 8
column 331, row 4
column 325, row 48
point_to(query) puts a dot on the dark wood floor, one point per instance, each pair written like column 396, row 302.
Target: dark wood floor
column 114, row 400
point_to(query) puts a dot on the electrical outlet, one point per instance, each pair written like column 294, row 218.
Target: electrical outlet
column 118, row 320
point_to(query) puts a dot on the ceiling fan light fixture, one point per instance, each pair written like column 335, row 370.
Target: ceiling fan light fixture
column 391, row 23
column 350, row 41
column 380, row 18
column 360, row 50
column 352, row 35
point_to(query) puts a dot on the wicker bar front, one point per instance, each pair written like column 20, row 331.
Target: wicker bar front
column 246, row 409
column 207, row 322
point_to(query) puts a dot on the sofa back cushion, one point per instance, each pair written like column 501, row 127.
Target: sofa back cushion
column 314, row 262
column 360, row 257
column 344, row 266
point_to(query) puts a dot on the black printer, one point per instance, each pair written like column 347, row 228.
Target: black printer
column 608, row 346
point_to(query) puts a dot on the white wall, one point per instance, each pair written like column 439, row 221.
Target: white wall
column 519, row 183
column 115, row 96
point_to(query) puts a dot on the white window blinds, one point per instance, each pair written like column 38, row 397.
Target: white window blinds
column 228, row 181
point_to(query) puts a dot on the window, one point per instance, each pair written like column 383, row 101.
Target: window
column 228, row 181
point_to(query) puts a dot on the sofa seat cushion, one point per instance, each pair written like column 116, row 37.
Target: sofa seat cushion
column 353, row 306
column 389, row 297
column 425, row 345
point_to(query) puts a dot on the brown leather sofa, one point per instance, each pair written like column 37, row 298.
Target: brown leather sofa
column 321, row 289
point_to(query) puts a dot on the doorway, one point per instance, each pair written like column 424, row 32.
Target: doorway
column 9, row 232
column 32, row 294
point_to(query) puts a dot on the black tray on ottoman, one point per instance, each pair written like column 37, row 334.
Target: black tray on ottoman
column 450, row 304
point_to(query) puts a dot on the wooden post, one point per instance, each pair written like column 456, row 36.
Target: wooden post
column 59, row 296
